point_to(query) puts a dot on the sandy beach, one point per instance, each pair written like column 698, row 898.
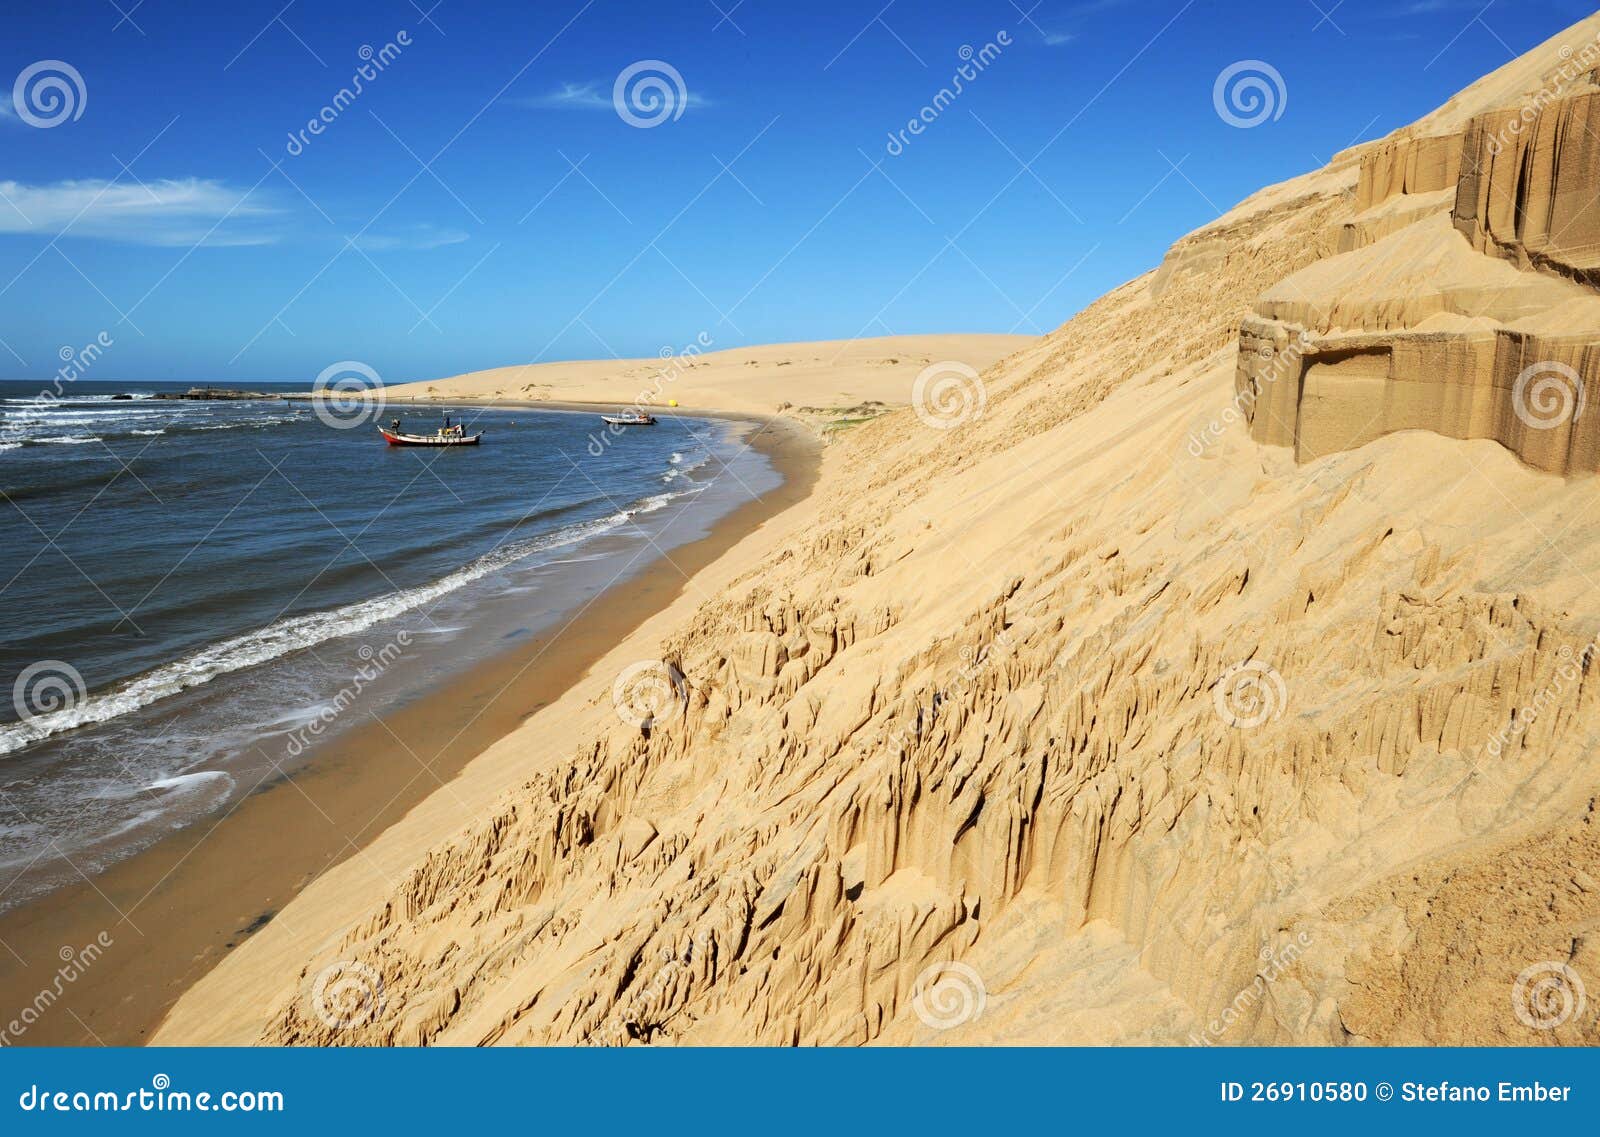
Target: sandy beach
column 814, row 383
column 173, row 911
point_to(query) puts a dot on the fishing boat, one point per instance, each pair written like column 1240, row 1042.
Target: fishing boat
column 444, row 436
column 630, row 417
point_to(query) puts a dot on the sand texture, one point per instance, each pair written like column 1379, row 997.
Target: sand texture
column 1216, row 669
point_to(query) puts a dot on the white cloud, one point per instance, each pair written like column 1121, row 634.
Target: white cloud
column 588, row 97
column 1430, row 7
column 1073, row 14
column 182, row 211
column 1091, row 7
column 571, row 96
column 419, row 237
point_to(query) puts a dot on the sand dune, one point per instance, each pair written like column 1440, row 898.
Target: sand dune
column 828, row 380
column 1216, row 669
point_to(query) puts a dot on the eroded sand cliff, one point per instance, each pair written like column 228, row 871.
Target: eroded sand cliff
column 1221, row 673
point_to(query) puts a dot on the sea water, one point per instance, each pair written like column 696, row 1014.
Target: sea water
column 192, row 592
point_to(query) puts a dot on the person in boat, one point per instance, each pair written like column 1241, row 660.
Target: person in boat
column 395, row 425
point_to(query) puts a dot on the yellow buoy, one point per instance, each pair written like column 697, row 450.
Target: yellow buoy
column 672, row 402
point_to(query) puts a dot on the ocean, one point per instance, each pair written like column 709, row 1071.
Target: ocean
column 192, row 593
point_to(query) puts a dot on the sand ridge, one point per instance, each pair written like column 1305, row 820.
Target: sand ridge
column 823, row 380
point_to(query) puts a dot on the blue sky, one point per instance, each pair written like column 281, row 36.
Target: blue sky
column 482, row 202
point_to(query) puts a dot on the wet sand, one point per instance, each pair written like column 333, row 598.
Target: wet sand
column 172, row 911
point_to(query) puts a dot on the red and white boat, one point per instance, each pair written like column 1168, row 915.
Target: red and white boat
column 442, row 437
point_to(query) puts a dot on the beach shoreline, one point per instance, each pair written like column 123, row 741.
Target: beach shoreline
column 169, row 914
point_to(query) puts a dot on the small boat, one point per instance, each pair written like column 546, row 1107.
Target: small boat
column 631, row 417
column 397, row 438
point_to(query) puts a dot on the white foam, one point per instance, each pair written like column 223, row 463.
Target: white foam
column 293, row 634
column 45, row 399
column 85, row 413
column 187, row 782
